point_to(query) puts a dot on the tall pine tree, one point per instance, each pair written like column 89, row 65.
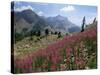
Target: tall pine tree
column 83, row 24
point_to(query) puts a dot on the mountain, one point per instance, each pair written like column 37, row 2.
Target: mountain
column 74, row 29
column 30, row 16
column 62, row 24
column 27, row 21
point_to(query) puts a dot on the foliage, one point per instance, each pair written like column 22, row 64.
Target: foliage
column 74, row 52
column 59, row 34
column 18, row 37
column 83, row 24
column 46, row 32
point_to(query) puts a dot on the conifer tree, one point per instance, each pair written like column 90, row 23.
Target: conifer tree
column 83, row 24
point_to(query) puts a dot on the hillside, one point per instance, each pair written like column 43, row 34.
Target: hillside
column 27, row 46
column 72, row 52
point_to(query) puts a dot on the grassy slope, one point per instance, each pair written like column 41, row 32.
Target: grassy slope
column 84, row 53
column 26, row 46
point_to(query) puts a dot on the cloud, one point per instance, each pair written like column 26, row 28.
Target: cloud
column 77, row 20
column 67, row 9
column 23, row 8
column 40, row 13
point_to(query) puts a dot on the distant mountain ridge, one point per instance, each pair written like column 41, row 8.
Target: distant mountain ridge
column 31, row 21
column 62, row 23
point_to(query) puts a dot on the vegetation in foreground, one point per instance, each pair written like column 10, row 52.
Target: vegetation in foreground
column 78, row 51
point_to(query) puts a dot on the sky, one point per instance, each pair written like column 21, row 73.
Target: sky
column 74, row 13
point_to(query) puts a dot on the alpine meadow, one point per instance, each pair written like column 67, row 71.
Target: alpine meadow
column 50, row 37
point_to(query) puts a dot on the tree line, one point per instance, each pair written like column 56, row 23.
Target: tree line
column 20, row 36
